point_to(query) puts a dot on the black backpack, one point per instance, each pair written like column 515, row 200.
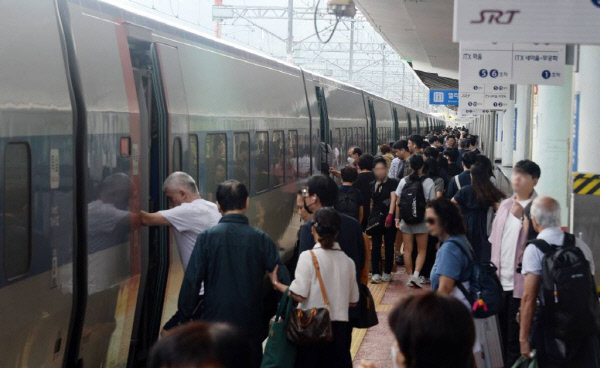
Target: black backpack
column 347, row 203
column 571, row 310
column 412, row 201
column 485, row 294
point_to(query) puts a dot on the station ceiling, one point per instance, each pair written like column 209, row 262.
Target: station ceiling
column 419, row 30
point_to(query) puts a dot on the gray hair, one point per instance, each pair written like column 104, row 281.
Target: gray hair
column 546, row 211
column 181, row 180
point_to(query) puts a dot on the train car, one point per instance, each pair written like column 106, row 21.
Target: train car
column 98, row 106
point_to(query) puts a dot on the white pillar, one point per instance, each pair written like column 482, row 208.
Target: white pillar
column 507, row 132
column 523, row 112
column 551, row 133
column 588, row 85
column 499, row 126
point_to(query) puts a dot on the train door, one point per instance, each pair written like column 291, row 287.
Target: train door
column 396, row 130
column 418, row 124
column 375, row 138
column 163, row 110
column 325, row 152
column 410, row 129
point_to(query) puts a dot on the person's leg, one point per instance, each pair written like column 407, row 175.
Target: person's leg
column 503, row 321
column 308, row 356
column 398, row 247
column 389, row 239
column 376, row 253
column 513, row 345
column 408, row 240
column 422, row 251
column 338, row 352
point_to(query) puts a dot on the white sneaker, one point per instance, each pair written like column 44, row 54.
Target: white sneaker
column 424, row 280
column 376, row 279
column 415, row 281
column 386, row 277
column 409, row 281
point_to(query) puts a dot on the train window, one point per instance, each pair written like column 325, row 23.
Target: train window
column 194, row 157
column 216, row 163
column 363, row 141
column 278, row 157
column 292, row 154
column 17, row 209
column 177, row 154
column 261, row 161
column 356, row 138
column 241, row 157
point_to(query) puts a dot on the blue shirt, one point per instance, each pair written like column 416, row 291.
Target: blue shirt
column 451, row 262
column 464, row 178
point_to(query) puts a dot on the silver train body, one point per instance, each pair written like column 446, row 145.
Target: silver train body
column 97, row 106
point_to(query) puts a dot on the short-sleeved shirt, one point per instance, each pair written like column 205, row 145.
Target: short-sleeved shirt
column 464, row 179
column 339, row 277
column 349, row 189
column 188, row 221
column 439, row 184
column 363, row 184
column 428, row 188
column 475, row 215
column 380, row 193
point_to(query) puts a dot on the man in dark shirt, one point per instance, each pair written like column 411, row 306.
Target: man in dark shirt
column 349, row 200
column 463, row 145
column 463, row 178
column 231, row 259
column 452, row 157
column 365, row 177
column 473, row 145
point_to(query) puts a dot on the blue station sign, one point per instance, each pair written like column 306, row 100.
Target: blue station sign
column 443, row 97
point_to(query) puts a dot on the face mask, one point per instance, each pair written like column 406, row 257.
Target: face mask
column 351, row 160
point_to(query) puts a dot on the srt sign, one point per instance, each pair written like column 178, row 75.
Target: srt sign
column 496, row 16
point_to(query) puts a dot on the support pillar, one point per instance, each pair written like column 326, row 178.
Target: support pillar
column 551, row 134
column 523, row 113
column 498, row 126
column 588, row 87
column 507, row 133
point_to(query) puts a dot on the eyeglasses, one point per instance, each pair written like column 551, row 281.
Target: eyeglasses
column 430, row 221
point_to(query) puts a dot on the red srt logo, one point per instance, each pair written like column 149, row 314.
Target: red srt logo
column 497, row 16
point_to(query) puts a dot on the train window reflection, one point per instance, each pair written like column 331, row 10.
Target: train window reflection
column 177, row 154
column 292, row 154
column 278, row 157
column 17, row 209
column 241, row 157
column 194, row 157
column 261, row 161
column 216, row 163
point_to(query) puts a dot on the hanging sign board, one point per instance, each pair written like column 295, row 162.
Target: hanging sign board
column 478, row 99
column 553, row 21
column 496, row 96
column 487, row 62
column 443, row 97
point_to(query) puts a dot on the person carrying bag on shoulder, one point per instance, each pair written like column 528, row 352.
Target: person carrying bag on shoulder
column 325, row 286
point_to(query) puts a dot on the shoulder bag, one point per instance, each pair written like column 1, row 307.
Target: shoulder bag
column 311, row 326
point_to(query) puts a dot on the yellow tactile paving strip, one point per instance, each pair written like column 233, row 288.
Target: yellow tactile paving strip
column 377, row 290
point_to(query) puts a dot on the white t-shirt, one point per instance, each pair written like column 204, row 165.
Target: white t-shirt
column 508, row 249
column 188, row 221
column 339, row 277
column 428, row 188
column 532, row 258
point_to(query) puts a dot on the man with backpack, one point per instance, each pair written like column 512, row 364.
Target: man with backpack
column 349, row 199
column 464, row 178
column 558, row 270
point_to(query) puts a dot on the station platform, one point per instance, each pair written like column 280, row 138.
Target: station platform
column 374, row 344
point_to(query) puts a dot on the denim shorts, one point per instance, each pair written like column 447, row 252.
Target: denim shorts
column 420, row 228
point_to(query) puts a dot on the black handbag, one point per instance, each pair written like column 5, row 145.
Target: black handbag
column 367, row 316
column 311, row 326
column 374, row 222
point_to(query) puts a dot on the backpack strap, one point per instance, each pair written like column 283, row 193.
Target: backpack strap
column 321, row 284
column 457, row 181
column 542, row 245
column 569, row 240
column 459, row 284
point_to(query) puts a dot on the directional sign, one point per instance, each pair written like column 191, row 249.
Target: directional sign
column 553, row 21
column 443, row 97
column 496, row 96
column 478, row 99
column 486, row 62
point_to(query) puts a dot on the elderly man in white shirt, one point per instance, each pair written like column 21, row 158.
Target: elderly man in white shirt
column 546, row 220
column 188, row 216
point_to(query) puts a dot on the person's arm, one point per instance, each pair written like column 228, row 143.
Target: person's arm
column 446, row 285
column 335, row 173
column 306, row 240
column 439, row 194
column 528, row 304
column 496, row 206
column 361, row 214
column 281, row 287
column 389, row 221
column 153, row 219
column 273, row 261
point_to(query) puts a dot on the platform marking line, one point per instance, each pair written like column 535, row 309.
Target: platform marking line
column 358, row 335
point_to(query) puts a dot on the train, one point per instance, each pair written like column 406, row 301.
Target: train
column 98, row 105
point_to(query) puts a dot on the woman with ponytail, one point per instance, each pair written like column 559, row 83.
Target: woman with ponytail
column 339, row 278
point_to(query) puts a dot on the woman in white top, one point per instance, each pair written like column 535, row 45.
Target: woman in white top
column 418, row 231
column 339, row 277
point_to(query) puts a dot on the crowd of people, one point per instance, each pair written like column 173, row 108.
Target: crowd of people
column 431, row 204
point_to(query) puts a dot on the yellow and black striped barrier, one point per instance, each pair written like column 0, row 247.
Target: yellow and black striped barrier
column 586, row 184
